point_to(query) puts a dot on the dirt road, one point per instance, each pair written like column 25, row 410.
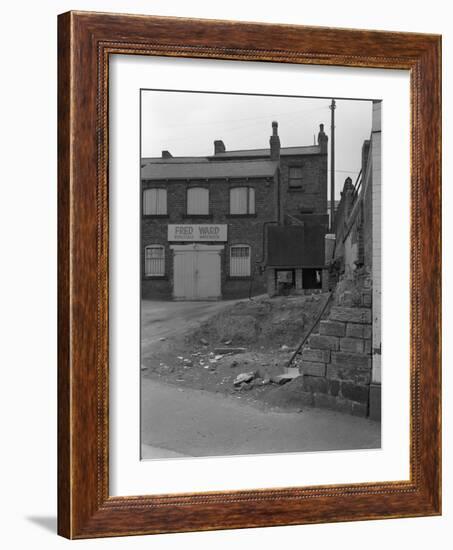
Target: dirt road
column 165, row 319
column 187, row 422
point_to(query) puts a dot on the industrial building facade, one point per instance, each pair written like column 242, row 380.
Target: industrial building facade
column 236, row 223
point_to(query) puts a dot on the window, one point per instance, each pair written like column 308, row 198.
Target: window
column 242, row 200
column 154, row 261
column 240, row 260
column 155, row 202
column 198, row 201
column 295, row 176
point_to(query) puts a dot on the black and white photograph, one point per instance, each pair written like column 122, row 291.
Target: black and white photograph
column 224, row 295
column 260, row 274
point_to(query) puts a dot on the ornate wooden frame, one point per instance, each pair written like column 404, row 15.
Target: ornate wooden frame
column 85, row 41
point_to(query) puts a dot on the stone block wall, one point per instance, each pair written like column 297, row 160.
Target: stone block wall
column 336, row 361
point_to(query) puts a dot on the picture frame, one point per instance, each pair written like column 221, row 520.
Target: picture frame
column 85, row 42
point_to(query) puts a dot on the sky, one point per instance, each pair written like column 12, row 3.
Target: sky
column 187, row 123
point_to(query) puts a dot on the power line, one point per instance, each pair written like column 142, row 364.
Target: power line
column 269, row 116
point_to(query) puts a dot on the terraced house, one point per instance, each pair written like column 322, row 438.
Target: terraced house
column 235, row 223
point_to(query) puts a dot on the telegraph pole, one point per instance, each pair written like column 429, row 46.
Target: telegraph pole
column 332, row 107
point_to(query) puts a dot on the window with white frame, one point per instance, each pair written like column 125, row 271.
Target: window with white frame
column 198, row 201
column 242, row 200
column 154, row 260
column 155, row 202
column 240, row 260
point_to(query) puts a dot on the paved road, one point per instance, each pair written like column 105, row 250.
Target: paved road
column 163, row 319
column 189, row 422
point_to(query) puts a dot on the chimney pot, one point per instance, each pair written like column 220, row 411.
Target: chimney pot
column 219, row 147
column 322, row 139
column 166, row 155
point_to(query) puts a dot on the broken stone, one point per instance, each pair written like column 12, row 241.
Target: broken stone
column 265, row 381
column 292, row 371
column 284, row 347
column 204, row 341
column 244, row 377
column 284, row 378
column 227, row 342
column 162, row 339
column 217, row 357
column 224, row 351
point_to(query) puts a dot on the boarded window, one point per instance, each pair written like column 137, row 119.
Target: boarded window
column 155, row 202
column 240, row 261
column 198, row 201
column 295, row 176
column 154, row 261
column 242, row 200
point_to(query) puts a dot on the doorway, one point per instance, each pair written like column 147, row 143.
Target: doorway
column 196, row 272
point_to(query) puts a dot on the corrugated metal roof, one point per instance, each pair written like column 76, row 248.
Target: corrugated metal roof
column 284, row 151
column 209, row 170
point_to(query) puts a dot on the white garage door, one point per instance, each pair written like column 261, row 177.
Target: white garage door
column 196, row 272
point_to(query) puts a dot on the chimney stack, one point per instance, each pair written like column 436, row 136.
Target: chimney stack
column 322, row 139
column 274, row 142
column 347, row 195
column 365, row 153
column 219, row 147
column 166, row 155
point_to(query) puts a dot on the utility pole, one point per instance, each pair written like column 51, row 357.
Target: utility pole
column 332, row 107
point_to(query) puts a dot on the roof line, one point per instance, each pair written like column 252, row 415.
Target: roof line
column 228, row 162
column 268, row 148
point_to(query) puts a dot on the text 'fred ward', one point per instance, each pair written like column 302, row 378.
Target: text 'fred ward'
column 211, row 232
column 202, row 232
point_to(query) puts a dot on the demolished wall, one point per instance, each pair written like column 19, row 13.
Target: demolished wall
column 336, row 361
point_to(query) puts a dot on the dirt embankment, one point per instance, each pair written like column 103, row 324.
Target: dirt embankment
column 256, row 336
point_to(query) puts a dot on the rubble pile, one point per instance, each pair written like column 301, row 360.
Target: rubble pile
column 242, row 351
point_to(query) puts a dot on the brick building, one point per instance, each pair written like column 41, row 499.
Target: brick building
column 236, row 223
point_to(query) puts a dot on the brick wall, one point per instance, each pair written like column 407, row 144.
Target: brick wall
column 241, row 230
column 312, row 195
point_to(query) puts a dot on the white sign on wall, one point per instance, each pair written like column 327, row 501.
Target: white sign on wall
column 197, row 232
